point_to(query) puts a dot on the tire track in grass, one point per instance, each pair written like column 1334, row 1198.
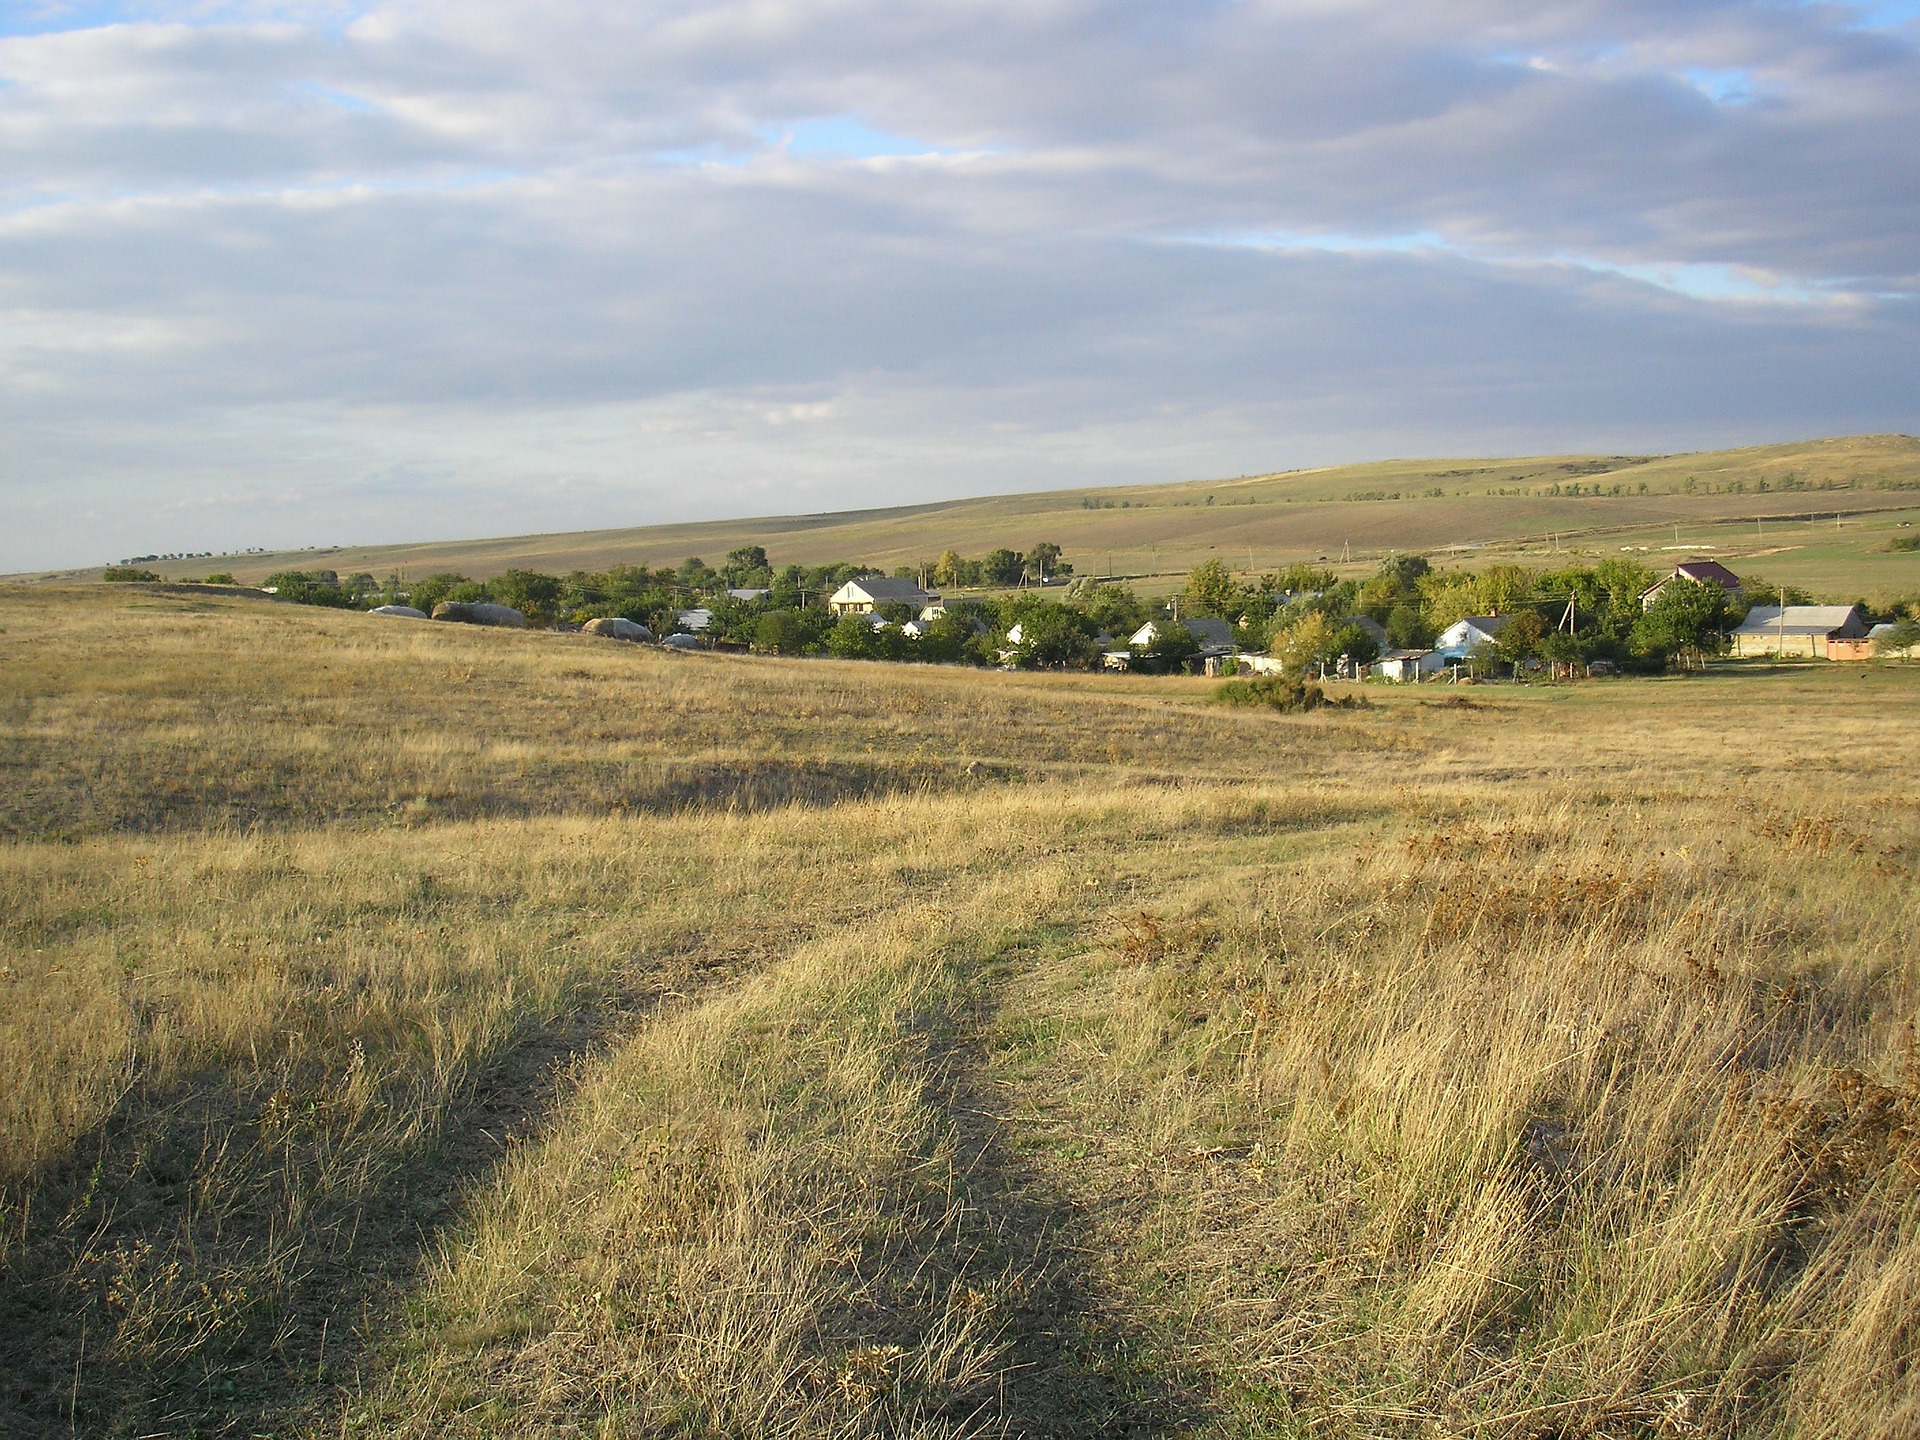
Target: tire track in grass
column 789, row 1210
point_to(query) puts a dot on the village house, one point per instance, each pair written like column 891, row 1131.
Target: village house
column 1463, row 638
column 1213, row 636
column 1405, row 665
column 1373, row 629
column 869, row 592
column 1797, row 629
column 1701, row 572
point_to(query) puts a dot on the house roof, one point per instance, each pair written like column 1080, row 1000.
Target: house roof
column 1211, row 633
column 884, row 590
column 1701, row 572
column 1707, row 572
column 1799, row 620
column 1485, row 624
column 1208, row 632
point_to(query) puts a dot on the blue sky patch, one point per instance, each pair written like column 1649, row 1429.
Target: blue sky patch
column 843, row 137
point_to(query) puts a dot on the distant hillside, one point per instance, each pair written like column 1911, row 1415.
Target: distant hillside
column 1253, row 522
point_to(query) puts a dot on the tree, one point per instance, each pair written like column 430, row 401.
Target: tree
column 1043, row 563
column 1054, row 635
column 310, row 587
column 1558, row 648
column 1305, row 643
column 946, row 570
column 1501, row 588
column 1353, row 641
column 1210, row 590
column 1407, row 627
column 1519, row 639
column 1902, row 639
column 528, row 591
column 1172, row 643
column 790, row 632
column 427, row 593
column 1687, row 619
column 943, row 642
column 1403, row 572
column 1113, row 608
column 854, row 638
column 1302, row 578
column 1622, row 581
column 748, row 568
column 1765, row 592
column 1004, row 567
column 129, row 574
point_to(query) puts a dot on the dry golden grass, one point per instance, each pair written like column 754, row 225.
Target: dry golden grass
column 398, row 1053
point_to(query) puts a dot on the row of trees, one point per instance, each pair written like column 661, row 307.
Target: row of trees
column 1570, row 615
column 1304, row 614
column 655, row 596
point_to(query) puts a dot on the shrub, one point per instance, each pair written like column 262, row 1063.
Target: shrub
column 128, row 573
column 1282, row 692
column 1903, row 639
column 310, row 587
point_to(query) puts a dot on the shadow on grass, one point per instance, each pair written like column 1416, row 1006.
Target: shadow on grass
column 64, row 796
column 1073, row 1362
column 198, row 1268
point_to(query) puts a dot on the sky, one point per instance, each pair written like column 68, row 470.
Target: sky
column 289, row 272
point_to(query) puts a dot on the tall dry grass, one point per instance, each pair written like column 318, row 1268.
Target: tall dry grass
column 403, row 1037
column 1554, row 1117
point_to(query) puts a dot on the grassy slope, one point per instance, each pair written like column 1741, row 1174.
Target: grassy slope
column 1257, row 522
column 427, row 1031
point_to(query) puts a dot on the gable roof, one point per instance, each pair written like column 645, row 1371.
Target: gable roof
column 1485, row 624
column 1209, row 633
column 1212, row 634
column 1373, row 627
column 1707, row 572
column 1800, row 620
column 885, row 590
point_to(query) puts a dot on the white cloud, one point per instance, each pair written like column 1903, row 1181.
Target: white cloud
column 593, row 251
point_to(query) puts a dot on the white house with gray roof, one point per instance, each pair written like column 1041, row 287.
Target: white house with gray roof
column 869, row 592
column 1462, row 638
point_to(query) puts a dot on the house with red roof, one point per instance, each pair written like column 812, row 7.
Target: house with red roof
column 1701, row 572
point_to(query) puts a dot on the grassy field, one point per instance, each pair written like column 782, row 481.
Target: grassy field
column 1466, row 510
column 424, row 1030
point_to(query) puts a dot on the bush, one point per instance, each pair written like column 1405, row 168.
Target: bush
column 1903, row 639
column 125, row 573
column 310, row 587
column 1281, row 692
column 221, row 577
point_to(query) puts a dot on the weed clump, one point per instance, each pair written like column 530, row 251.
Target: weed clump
column 1280, row 692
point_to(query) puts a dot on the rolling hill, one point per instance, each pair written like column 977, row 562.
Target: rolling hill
column 1767, row 499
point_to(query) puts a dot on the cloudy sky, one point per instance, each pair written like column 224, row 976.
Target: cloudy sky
column 279, row 272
